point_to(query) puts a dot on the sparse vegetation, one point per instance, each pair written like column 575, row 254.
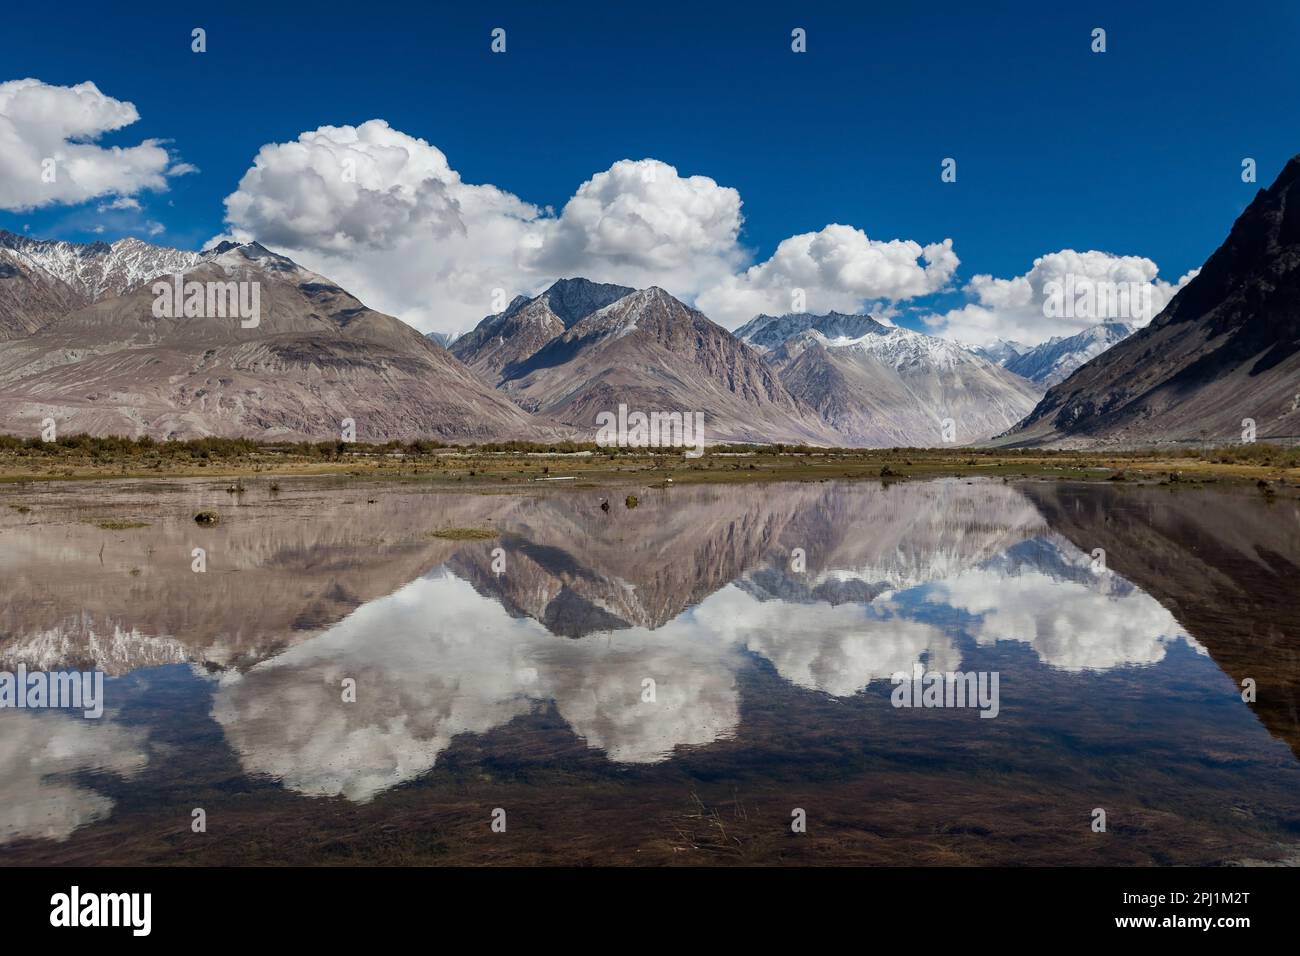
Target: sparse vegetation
column 116, row 524
column 464, row 534
column 506, row 464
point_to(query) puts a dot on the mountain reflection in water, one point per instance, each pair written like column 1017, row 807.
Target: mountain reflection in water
column 770, row 674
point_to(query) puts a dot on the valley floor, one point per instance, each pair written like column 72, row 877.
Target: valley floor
column 1273, row 471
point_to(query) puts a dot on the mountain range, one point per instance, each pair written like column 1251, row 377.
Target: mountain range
column 99, row 269
column 1053, row 361
column 84, row 348
column 80, row 343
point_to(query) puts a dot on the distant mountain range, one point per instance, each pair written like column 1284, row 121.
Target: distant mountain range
column 80, row 343
column 881, row 385
column 1056, row 359
column 1000, row 351
column 1225, row 349
column 29, row 296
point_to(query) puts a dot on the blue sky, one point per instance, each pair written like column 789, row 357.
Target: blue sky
column 1136, row 151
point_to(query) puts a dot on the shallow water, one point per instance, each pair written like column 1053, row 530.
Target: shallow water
column 667, row 684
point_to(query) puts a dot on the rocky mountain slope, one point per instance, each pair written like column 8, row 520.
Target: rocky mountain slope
column 43, row 279
column 316, row 357
column 650, row 352
column 30, row 297
column 498, row 344
column 879, row 385
column 1226, row 348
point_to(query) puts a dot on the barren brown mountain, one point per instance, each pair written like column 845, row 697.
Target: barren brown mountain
column 315, row 358
column 500, row 342
column 652, row 353
column 30, row 297
column 1225, row 349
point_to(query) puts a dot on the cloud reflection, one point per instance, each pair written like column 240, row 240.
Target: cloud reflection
column 42, row 753
column 439, row 658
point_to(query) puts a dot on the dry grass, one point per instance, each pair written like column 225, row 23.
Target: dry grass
column 463, row 534
column 116, row 524
column 475, row 468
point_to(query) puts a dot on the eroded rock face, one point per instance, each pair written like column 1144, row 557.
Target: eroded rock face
column 1226, row 348
column 502, row 341
column 30, row 298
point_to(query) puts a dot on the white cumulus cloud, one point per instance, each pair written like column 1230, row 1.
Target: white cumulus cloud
column 1023, row 308
column 385, row 214
column 48, row 153
column 640, row 222
column 838, row 268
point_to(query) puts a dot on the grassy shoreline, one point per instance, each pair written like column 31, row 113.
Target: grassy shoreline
column 79, row 458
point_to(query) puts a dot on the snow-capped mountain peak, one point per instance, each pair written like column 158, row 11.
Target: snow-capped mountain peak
column 1056, row 359
column 1000, row 351
column 890, row 344
column 235, row 256
column 903, row 348
column 880, row 384
column 766, row 332
column 100, row 270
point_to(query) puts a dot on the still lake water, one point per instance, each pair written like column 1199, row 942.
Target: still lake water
column 525, row 689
